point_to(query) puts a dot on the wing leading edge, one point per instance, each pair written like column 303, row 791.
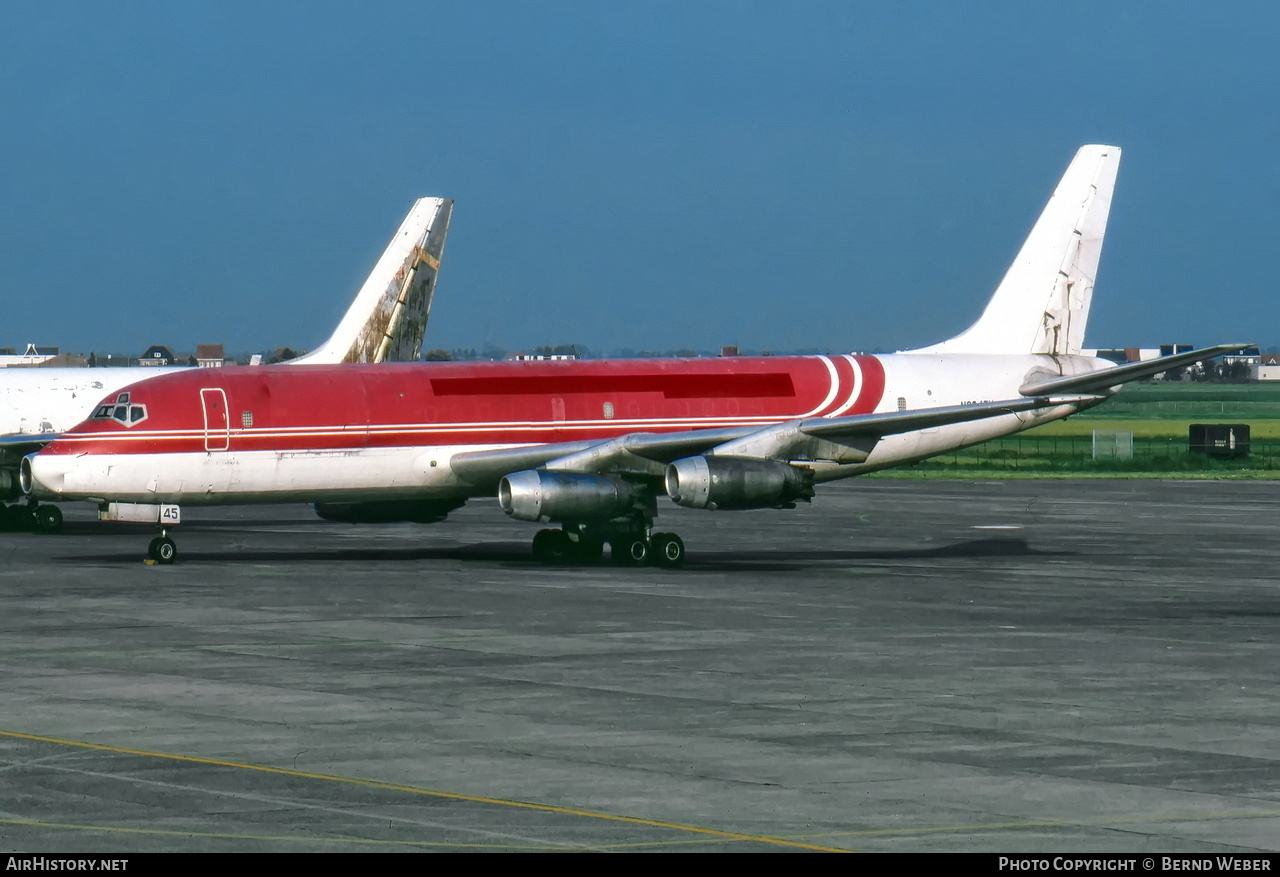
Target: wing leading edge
column 839, row 439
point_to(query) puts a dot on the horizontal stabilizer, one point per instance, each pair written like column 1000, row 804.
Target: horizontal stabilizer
column 1100, row 381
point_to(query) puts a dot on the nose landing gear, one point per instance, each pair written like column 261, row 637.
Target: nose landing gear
column 162, row 549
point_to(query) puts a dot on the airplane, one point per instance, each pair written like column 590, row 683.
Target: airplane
column 591, row 445
column 385, row 322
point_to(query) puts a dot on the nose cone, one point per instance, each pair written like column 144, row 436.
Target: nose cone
column 45, row 476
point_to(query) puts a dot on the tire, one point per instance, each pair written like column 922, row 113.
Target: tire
column 552, row 546
column 18, row 518
column 163, row 550
column 668, row 550
column 48, row 519
column 630, row 552
column 587, row 550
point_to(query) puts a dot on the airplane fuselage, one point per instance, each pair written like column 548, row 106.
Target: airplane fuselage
column 356, row 433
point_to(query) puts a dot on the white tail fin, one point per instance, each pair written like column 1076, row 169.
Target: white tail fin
column 386, row 321
column 1042, row 304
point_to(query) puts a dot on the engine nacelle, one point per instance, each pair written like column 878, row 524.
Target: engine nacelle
column 736, row 483
column 539, row 495
column 419, row 511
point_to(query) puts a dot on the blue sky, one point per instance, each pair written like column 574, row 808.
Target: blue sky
column 846, row 175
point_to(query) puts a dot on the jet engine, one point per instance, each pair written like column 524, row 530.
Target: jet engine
column 9, row 487
column 539, row 495
column 419, row 511
column 736, row 483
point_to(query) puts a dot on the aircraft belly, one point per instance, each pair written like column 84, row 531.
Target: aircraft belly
column 225, row 478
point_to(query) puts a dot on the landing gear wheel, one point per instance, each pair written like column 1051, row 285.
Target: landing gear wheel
column 587, row 550
column 18, row 518
column 630, row 552
column 47, row 518
column 163, row 550
column 552, row 546
column 668, row 550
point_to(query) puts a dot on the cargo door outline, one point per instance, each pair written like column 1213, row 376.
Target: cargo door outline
column 217, row 427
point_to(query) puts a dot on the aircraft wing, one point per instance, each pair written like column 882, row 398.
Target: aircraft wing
column 843, row 439
column 23, row 443
column 1100, row 381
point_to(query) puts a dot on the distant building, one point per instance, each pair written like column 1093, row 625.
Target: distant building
column 64, row 360
column 157, row 355
column 531, row 357
column 33, row 355
column 1249, row 356
column 1123, row 355
column 210, row 356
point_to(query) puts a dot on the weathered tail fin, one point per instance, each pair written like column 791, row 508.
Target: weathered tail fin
column 386, row 321
column 1042, row 304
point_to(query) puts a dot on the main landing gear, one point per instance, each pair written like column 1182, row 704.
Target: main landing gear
column 572, row 545
column 40, row 518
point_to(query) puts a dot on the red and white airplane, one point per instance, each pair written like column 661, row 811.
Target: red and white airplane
column 591, row 445
column 385, row 322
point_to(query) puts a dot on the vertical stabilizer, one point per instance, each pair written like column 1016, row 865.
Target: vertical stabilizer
column 386, row 321
column 1042, row 304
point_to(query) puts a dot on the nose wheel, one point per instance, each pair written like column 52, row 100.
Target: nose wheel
column 162, row 550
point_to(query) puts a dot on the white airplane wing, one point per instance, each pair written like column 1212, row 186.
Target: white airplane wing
column 840, row 439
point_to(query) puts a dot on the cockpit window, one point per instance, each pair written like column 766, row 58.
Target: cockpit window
column 122, row 411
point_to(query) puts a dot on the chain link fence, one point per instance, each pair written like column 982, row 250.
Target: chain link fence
column 1113, row 453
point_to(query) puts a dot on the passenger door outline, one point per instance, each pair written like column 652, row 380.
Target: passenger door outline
column 217, row 426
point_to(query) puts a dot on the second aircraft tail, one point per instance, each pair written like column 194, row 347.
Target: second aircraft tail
column 387, row 320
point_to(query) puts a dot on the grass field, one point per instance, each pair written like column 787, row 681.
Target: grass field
column 1164, row 410
column 1157, row 414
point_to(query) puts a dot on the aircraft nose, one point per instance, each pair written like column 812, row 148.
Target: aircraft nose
column 44, row 477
